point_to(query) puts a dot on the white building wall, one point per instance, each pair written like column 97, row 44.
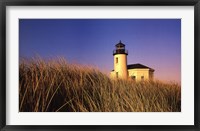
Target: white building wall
column 120, row 66
column 140, row 74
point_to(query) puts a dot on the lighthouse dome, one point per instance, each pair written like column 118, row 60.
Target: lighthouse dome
column 120, row 44
column 120, row 49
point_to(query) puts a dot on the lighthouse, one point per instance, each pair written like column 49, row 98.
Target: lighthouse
column 135, row 72
column 120, row 61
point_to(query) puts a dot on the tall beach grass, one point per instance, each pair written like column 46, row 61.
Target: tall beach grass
column 58, row 86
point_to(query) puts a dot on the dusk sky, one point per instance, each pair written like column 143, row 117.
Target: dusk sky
column 155, row 43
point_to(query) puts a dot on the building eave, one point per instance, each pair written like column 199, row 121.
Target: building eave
column 138, row 66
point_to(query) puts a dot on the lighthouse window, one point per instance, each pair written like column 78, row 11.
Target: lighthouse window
column 117, row 60
column 116, row 74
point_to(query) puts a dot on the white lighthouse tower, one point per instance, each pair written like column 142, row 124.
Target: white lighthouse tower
column 120, row 61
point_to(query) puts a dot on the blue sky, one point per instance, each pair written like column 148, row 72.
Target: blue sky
column 153, row 42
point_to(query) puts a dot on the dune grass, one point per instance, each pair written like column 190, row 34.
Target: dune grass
column 58, row 86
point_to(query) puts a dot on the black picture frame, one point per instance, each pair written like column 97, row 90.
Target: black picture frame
column 5, row 3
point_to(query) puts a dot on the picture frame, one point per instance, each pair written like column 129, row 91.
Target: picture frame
column 3, row 65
